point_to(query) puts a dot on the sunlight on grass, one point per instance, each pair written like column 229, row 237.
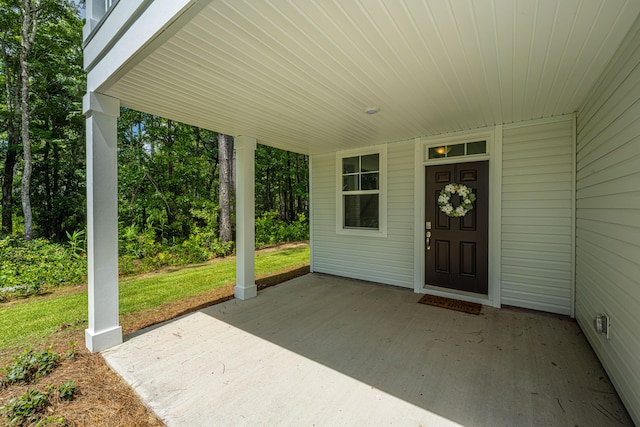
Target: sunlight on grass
column 23, row 323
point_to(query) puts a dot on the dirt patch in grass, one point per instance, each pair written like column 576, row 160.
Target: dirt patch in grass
column 102, row 398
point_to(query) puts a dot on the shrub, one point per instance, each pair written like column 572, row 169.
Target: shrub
column 28, row 267
column 271, row 230
column 137, row 243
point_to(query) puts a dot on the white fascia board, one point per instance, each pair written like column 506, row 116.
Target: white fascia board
column 130, row 27
column 118, row 20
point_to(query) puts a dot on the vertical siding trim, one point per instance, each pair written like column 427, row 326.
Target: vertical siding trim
column 495, row 221
column 419, row 217
column 574, row 185
column 311, row 215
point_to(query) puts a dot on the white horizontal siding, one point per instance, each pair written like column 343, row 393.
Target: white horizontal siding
column 537, row 211
column 387, row 260
column 608, row 219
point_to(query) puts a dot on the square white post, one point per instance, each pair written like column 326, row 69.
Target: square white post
column 245, row 148
column 102, row 114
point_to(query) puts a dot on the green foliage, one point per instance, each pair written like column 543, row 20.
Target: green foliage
column 32, row 321
column 138, row 243
column 53, row 421
column 66, row 391
column 57, row 83
column 141, row 252
column 26, row 409
column 29, row 408
column 77, row 243
column 71, row 353
column 31, row 365
column 167, row 171
column 271, row 230
column 168, row 174
column 30, row 267
column 282, row 183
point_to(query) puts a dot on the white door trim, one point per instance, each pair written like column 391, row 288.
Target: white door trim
column 493, row 136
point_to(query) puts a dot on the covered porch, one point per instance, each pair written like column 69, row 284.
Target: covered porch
column 324, row 350
column 552, row 90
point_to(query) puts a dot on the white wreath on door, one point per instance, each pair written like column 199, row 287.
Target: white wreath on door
column 466, row 200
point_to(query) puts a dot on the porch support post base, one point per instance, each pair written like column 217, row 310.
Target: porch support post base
column 98, row 341
column 245, row 218
column 245, row 292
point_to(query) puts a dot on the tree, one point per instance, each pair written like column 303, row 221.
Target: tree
column 55, row 123
column 282, row 182
column 10, row 46
column 225, row 152
column 166, row 175
column 30, row 10
column 172, row 176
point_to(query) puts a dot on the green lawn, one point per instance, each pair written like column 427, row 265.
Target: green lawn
column 34, row 319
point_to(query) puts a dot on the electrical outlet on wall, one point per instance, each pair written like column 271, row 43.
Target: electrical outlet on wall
column 603, row 324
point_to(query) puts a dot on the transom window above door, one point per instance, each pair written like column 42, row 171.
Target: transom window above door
column 361, row 198
column 456, row 150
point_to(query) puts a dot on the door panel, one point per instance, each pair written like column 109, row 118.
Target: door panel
column 443, row 261
column 468, row 262
column 457, row 252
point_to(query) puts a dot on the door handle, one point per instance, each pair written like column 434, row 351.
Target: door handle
column 428, row 239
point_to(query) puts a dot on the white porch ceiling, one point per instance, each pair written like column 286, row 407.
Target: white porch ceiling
column 298, row 74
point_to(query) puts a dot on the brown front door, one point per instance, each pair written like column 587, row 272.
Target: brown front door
column 457, row 248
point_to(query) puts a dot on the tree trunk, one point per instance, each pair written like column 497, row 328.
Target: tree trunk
column 268, row 205
column 7, row 180
column 232, row 166
column 224, row 142
column 232, row 179
column 46, row 227
column 57, row 218
column 299, row 207
column 29, row 28
column 289, row 211
column 12, row 99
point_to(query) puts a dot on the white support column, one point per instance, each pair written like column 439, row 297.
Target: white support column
column 245, row 148
column 102, row 114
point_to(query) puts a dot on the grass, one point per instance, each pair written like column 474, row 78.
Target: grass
column 32, row 320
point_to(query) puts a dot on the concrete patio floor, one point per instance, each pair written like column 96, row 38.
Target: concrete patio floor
column 326, row 351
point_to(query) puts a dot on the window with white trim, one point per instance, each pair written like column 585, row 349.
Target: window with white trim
column 361, row 207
